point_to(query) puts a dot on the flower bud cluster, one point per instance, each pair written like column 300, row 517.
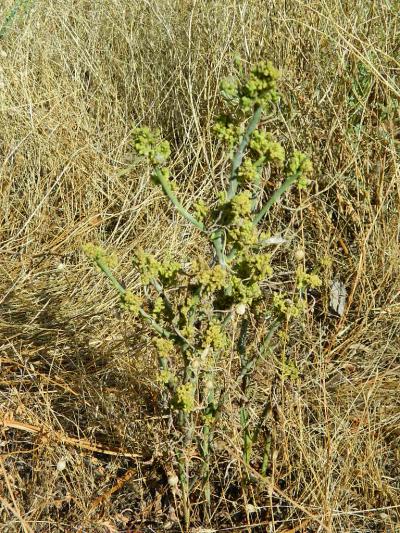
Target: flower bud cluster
column 211, row 278
column 97, row 253
column 285, row 307
column 300, row 164
column 264, row 144
column 149, row 144
column 306, row 280
column 184, row 398
column 165, row 347
column 260, row 88
column 215, row 336
column 151, row 269
column 257, row 89
column 248, row 172
column 131, row 302
column 227, row 131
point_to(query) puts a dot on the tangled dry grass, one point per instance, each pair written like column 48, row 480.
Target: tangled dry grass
column 83, row 445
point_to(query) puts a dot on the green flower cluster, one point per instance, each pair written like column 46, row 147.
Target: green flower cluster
column 164, row 347
column 248, row 172
column 97, row 253
column 229, row 88
column 201, row 210
column 131, row 302
column 249, row 271
column 243, row 233
column 243, row 292
column 300, row 164
column 158, row 306
column 147, row 265
column 215, row 337
column 255, row 267
column 211, row 278
column 305, row 280
column 227, row 131
column 260, row 87
column 184, row 398
column 241, row 204
column 264, row 144
column 151, row 269
column 168, row 270
column 241, row 230
column 165, row 376
column 149, row 144
column 285, row 307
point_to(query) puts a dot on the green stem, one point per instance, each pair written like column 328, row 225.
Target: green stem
column 259, row 166
column 266, row 455
column 238, row 157
column 166, row 187
column 217, row 240
column 275, row 196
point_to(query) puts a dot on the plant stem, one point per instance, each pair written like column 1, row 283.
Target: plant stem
column 238, row 157
column 166, row 187
column 217, row 240
column 275, row 196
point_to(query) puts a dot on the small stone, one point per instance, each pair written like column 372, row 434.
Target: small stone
column 241, row 309
column 173, row 481
column 61, row 465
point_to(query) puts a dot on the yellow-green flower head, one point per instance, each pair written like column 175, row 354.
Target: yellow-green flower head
column 242, row 292
column 243, row 233
column 280, row 303
column 188, row 331
column 247, row 172
column 263, row 144
column 165, row 376
column 201, row 210
column 284, row 306
column 299, row 163
column 305, row 280
column 148, row 143
column 227, row 131
column 215, row 337
column 260, row 87
column 211, row 279
column 229, row 88
column 97, row 253
column 255, row 267
column 184, row 399
column 168, row 270
column 165, row 347
column 158, row 306
column 241, row 204
column 131, row 302
column 148, row 266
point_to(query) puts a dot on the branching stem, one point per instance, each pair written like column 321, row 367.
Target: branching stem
column 166, row 187
column 276, row 196
column 238, row 157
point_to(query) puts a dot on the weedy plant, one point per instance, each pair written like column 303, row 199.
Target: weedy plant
column 203, row 312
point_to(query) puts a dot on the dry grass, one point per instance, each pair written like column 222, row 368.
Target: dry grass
column 74, row 76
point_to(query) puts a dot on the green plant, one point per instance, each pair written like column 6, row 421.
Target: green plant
column 220, row 292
